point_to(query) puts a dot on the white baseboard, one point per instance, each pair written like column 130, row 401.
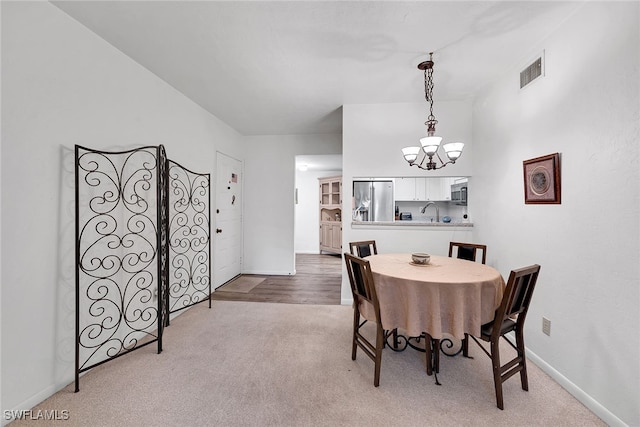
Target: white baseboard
column 35, row 400
column 270, row 273
column 576, row 391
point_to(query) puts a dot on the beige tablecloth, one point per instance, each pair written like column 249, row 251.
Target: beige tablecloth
column 448, row 296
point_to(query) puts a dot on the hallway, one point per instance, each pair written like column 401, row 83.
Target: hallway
column 317, row 280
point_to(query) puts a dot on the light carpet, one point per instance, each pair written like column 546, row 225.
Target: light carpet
column 264, row 364
column 242, row 284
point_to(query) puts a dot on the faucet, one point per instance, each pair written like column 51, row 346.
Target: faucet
column 437, row 210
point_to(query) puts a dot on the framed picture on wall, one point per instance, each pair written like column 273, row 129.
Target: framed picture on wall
column 542, row 180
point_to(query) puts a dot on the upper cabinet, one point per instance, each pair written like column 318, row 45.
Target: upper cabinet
column 405, row 189
column 439, row 189
column 331, row 214
column 330, row 191
column 423, row 189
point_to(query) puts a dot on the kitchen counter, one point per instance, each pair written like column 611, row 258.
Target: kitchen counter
column 409, row 223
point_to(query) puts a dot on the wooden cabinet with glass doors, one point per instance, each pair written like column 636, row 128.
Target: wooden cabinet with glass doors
column 331, row 214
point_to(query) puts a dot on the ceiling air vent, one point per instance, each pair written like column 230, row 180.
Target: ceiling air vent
column 532, row 72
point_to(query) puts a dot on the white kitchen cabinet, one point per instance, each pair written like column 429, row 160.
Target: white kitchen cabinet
column 423, row 189
column 405, row 189
column 446, row 187
column 410, row 189
column 331, row 214
column 439, row 189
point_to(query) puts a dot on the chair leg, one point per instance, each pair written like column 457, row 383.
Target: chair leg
column 394, row 336
column 497, row 377
column 378, row 361
column 523, row 360
column 356, row 323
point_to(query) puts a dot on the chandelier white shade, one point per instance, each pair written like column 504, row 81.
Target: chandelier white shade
column 430, row 144
column 410, row 153
column 453, row 150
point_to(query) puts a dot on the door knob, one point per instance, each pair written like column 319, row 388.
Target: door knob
column 218, row 230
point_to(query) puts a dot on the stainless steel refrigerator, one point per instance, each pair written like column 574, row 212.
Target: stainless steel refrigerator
column 373, row 200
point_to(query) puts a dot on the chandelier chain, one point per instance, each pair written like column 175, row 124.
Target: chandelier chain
column 428, row 93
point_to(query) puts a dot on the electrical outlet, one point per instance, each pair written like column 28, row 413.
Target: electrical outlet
column 546, row 326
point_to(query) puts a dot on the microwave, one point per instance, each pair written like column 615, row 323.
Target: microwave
column 459, row 193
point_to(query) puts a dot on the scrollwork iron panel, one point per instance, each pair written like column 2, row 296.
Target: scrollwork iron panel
column 163, row 240
column 118, row 238
column 189, row 199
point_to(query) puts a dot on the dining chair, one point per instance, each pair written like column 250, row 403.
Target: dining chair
column 468, row 251
column 363, row 248
column 509, row 316
column 367, row 307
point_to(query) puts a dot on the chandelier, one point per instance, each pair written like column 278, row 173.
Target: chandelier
column 431, row 142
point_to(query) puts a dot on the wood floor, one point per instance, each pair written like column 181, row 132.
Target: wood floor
column 318, row 280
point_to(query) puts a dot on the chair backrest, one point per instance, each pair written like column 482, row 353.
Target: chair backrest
column 361, row 280
column 363, row 248
column 468, row 251
column 517, row 295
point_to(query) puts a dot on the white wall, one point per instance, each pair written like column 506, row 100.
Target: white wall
column 307, row 210
column 269, row 189
column 374, row 135
column 587, row 108
column 373, row 138
column 62, row 85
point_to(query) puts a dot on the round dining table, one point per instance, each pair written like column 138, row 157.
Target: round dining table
column 446, row 296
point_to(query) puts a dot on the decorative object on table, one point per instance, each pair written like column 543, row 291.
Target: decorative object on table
column 542, row 180
column 468, row 251
column 431, row 143
column 420, row 258
column 509, row 317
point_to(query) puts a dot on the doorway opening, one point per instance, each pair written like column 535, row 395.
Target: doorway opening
column 309, row 169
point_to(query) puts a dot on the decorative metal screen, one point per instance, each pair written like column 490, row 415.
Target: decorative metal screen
column 120, row 252
column 189, row 280
column 142, row 249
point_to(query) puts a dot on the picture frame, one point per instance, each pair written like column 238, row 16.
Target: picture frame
column 542, row 179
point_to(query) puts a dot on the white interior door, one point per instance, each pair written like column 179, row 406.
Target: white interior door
column 227, row 235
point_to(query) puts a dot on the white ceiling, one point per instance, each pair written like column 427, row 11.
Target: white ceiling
column 287, row 67
column 320, row 162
